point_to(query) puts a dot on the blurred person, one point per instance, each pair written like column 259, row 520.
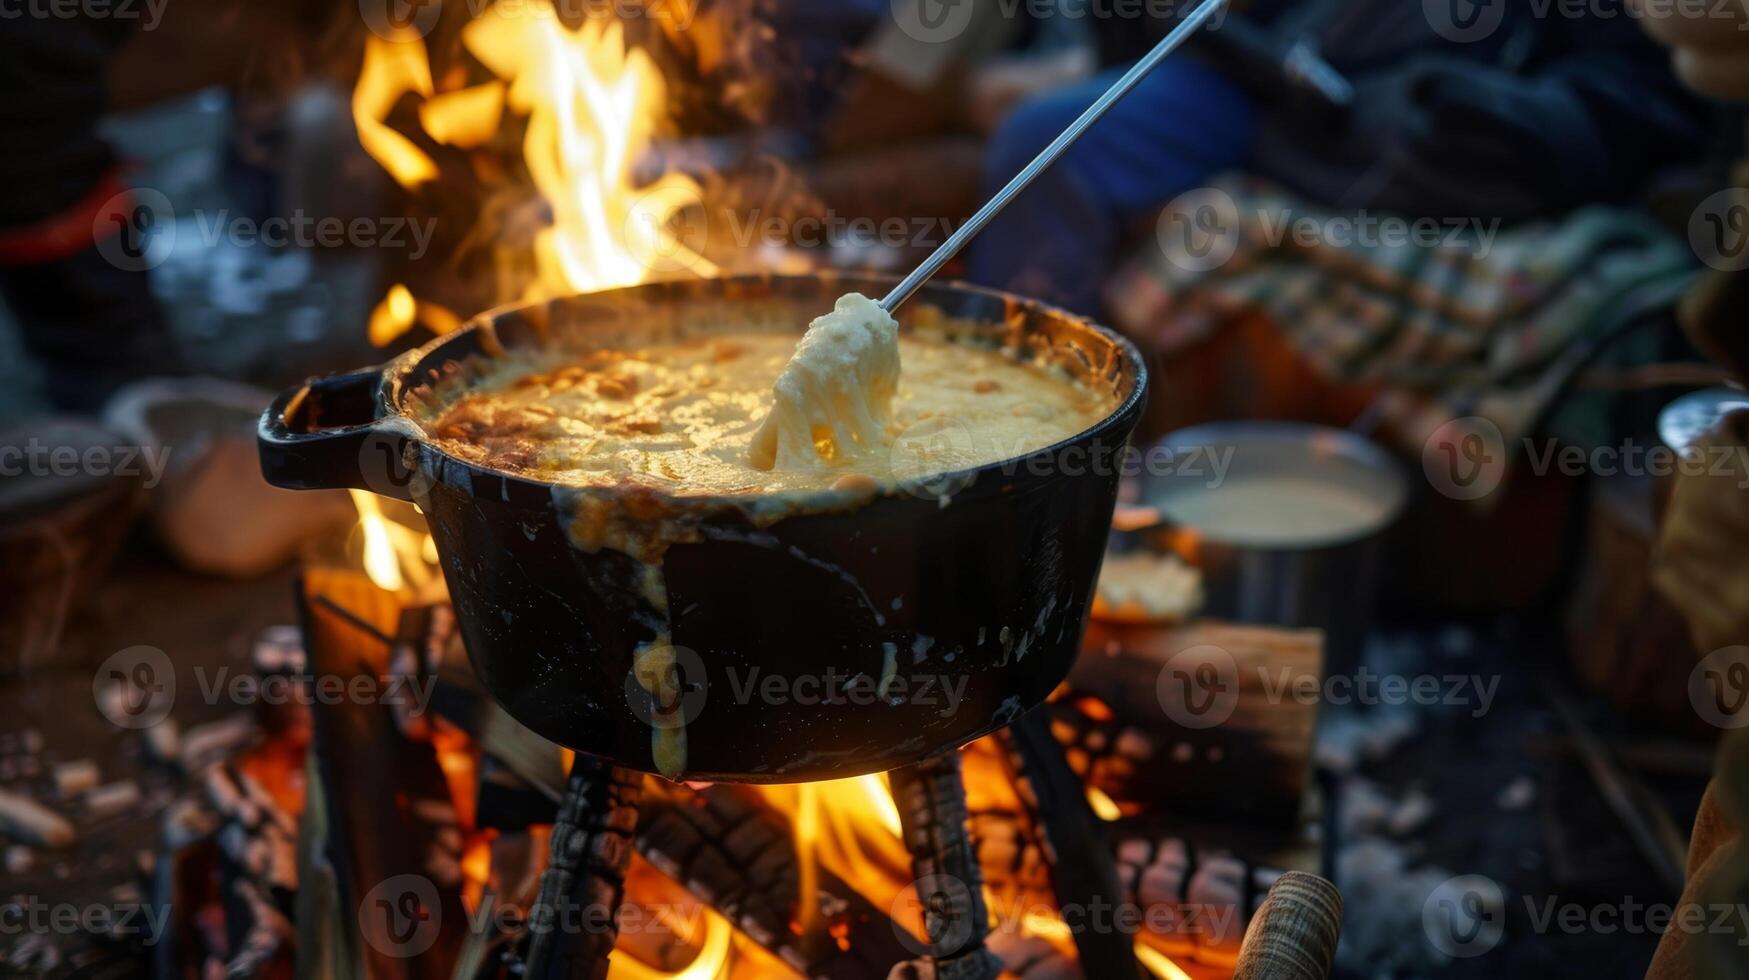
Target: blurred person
column 91, row 321
column 1532, row 118
column 1698, row 566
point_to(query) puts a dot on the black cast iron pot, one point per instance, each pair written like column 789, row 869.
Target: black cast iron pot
column 830, row 638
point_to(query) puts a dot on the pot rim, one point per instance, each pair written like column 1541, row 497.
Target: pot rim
column 476, row 479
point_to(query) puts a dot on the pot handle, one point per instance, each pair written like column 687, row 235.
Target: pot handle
column 328, row 434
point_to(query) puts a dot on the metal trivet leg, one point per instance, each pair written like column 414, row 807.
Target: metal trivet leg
column 1083, row 873
column 932, row 814
column 575, row 919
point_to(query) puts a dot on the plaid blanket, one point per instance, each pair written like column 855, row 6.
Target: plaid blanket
column 1449, row 318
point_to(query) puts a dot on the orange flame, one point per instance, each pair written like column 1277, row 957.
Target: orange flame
column 392, row 69
column 592, row 106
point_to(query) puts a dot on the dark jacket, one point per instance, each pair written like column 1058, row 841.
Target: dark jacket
column 1478, row 108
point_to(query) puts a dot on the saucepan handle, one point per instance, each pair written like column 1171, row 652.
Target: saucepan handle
column 328, row 433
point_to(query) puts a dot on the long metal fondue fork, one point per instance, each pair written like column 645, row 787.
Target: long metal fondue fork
column 1049, row 155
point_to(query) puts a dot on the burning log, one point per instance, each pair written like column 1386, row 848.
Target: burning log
column 380, row 789
column 1196, row 902
column 591, row 848
column 731, row 849
column 932, row 811
column 1124, row 721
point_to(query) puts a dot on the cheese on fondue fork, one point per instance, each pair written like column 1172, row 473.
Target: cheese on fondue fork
column 835, row 396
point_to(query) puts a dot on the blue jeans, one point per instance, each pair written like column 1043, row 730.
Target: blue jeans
column 1184, row 123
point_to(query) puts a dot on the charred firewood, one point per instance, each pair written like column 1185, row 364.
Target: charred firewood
column 590, row 850
column 1194, row 903
column 932, row 813
column 734, row 851
column 1118, row 738
column 1081, row 870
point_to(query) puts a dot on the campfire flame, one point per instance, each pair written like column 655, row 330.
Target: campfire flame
column 591, row 106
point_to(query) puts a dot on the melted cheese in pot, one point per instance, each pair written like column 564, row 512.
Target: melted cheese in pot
column 685, row 416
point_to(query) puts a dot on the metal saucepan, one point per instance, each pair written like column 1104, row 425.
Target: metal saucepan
column 970, row 592
column 1286, row 521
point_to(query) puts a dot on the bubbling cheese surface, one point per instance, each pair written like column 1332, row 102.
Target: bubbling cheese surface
column 691, row 416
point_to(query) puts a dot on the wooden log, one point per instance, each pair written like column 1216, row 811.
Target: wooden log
column 1295, row 933
column 931, row 798
column 1225, row 730
column 736, row 852
column 375, row 779
column 591, row 847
